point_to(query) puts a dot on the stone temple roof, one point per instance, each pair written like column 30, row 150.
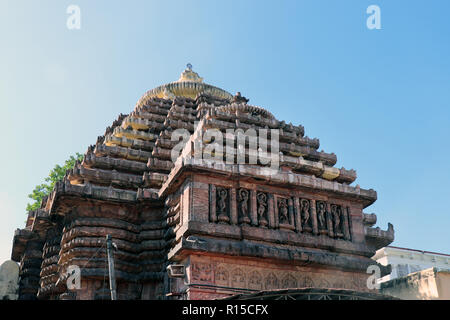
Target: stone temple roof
column 132, row 160
column 189, row 85
column 127, row 185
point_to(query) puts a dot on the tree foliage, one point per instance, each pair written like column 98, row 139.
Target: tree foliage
column 56, row 174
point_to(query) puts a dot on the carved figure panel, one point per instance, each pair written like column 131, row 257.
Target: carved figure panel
column 222, row 277
column 223, row 204
column 289, row 281
column 338, row 220
column 323, row 283
column 255, row 281
column 306, row 282
column 244, row 206
column 305, row 214
column 271, row 281
column 262, row 209
column 322, row 216
column 283, row 211
column 202, row 272
column 238, row 278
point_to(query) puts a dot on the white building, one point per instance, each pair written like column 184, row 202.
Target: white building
column 405, row 261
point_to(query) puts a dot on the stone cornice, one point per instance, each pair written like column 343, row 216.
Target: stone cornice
column 280, row 178
column 296, row 255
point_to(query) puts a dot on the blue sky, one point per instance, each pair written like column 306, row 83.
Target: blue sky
column 379, row 99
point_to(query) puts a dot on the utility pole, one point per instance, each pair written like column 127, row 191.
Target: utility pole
column 112, row 274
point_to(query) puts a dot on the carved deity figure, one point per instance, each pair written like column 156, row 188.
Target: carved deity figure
column 262, row 208
column 221, row 275
column 271, row 282
column 222, row 205
column 336, row 213
column 202, row 272
column 243, row 196
column 238, row 278
column 255, row 281
column 283, row 211
column 305, row 212
column 321, row 212
column 289, row 281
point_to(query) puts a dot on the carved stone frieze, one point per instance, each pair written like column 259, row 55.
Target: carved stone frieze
column 257, row 208
column 202, row 272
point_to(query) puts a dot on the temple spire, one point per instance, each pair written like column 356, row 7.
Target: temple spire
column 189, row 75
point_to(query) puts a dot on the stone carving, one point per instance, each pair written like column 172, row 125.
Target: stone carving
column 306, row 282
column 336, row 214
column 321, row 215
column 222, row 205
column 283, row 212
column 330, row 220
column 202, row 272
column 271, row 281
column 255, row 281
column 238, row 98
column 324, row 284
column 305, row 214
column 243, row 197
column 359, row 284
column 261, row 198
column 221, row 277
column 289, row 281
column 238, row 278
column 339, row 284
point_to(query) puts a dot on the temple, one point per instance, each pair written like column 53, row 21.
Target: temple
column 189, row 227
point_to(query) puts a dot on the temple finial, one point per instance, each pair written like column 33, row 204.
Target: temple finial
column 189, row 75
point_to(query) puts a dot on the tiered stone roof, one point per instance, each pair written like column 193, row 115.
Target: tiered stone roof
column 130, row 168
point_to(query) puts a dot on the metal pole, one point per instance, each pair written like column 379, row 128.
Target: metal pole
column 112, row 275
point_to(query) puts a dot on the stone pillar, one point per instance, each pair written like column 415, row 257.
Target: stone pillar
column 291, row 212
column 329, row 220
column 347, row 231
column 314, row 217
column 276, row 214
column 297, row 215
column 212, row 203
column 191, row 201
column 186, row 203
column 199, row 195
column 181, row 207
column 271, row 211
column 253, row 208
column 233, row 207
